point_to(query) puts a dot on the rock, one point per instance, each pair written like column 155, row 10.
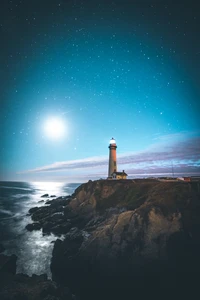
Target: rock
column 68, row 248
column 62, row 228
column 41, row 213
column 8, row 264
column 33, row 226
column 47, row 226
column 57, row 202
column 69, row 212
column 48, row 202
column 40, row 201
column 39, row 278
column 23, row 287
column 33, row 210
column 45, row 196
column 56, row 224
column 2, row 249
column 53, row 196
column 95, row 222
column 55, row 217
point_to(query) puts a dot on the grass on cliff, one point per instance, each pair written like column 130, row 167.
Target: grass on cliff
column 168, row 196
column 130, row 196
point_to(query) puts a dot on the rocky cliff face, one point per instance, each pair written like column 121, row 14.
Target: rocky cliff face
column 127, row 234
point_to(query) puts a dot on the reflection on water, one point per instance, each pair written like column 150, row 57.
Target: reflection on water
column 32, row 248
column 35, row 254
column 51, row 187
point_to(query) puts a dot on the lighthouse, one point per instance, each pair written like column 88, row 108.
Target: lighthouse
column 112, row 166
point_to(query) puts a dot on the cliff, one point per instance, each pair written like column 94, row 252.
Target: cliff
column 123, row 235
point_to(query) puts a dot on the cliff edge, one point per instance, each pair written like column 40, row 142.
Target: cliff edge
column 130, row 233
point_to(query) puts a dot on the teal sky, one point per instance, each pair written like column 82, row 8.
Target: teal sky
column 106, row 69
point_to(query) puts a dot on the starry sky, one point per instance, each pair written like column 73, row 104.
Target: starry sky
column 122, row 69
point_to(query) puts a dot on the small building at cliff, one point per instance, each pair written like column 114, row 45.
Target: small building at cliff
column 119, row 175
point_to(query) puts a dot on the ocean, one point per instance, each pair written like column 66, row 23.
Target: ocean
column 32, row 248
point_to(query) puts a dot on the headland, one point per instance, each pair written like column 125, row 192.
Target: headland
column 116, row 237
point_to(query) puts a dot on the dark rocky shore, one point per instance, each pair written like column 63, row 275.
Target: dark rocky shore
column 122, row 238
column 23, row 287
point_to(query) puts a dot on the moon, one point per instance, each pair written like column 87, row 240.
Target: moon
column 55, row 128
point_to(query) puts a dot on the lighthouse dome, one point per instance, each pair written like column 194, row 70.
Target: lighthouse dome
column 112, row 141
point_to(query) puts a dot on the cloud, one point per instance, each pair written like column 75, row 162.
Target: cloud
column 179, row 151
column 72, row 164
column 177, row 170
column 184, row 152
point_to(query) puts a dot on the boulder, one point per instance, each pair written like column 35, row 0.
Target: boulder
column 33, row 226
column 45, row 196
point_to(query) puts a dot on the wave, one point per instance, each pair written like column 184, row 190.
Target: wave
column 16, row 188
column 21, row 196
column 6, row 215
column 6, row 212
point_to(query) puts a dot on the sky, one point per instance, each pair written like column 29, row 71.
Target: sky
column 102, row 69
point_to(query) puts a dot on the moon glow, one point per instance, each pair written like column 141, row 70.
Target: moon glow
column 54, row 128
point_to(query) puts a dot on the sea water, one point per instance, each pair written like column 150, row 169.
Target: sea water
column 33, row 249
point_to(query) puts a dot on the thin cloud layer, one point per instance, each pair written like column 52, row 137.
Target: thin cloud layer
column 181, row 151
column 185, row 155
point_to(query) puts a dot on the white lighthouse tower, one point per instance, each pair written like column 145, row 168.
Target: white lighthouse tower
column 112, row 167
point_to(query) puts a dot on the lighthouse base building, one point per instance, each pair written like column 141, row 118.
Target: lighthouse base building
column 112, row 165
column 119, row 175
